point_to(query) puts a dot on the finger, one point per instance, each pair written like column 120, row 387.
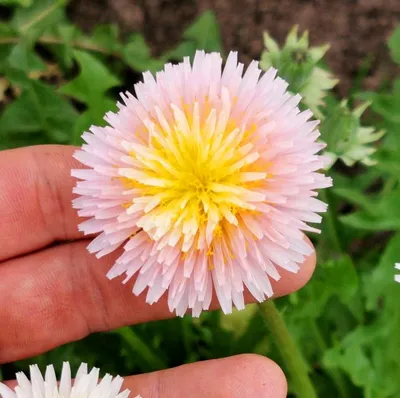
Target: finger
column 35, row 198
column 241, row 376
column 65, row 289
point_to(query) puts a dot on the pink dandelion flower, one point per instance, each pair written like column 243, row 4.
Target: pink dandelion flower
column 207, row 178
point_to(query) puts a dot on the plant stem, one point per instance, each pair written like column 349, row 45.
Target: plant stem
column 141, row 349
column 47, row 11
column 291, row 355
column 48, row 39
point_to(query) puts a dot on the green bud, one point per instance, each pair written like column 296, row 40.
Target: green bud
column 297, row 64
column 345, row 137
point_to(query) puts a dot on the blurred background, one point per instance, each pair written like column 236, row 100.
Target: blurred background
column 355, row 29
column 62, row 65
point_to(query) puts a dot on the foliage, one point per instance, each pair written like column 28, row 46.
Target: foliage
column 39, row 46
column 297, row 63
column 55, row 81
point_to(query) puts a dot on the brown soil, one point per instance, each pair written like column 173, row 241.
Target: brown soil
column 356, row 29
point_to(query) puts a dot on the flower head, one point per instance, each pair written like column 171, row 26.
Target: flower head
column 207, row 178
column 397, row 277
column 85, row 384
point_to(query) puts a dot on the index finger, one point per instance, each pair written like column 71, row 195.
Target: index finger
column 65, row 289
column 35, row 198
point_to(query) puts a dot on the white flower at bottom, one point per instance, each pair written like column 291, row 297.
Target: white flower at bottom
column 397, row 277
column 85, row 385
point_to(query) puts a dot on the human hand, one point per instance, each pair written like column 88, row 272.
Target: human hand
column 53, row 294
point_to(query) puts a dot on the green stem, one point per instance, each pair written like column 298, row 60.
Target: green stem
column 291, row 355
column 53, row 40
column 141, row 349
column 47, row 11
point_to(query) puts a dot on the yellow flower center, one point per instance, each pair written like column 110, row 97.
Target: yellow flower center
column 194, row 175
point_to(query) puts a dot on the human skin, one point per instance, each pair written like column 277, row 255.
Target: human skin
column 53, row 291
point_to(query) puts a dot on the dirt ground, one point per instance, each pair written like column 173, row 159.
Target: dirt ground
column 356, row 29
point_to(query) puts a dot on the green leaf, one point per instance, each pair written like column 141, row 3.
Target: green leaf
column 238, row 320
column 394, row 45
column 335, row 277
column 358, row 198
column 93, row 115
column 38, row 109
column 346, row 138
column 369, row 353
column 139, row 348
column 388, row 161
column 386, row 104
column 107, row 37
column 205, row 33
column 137, row 55
column 90, row 87
column 21, row 116
column 24, row 57
column 8, row 40
column 184, row 49
column 341, row 277
column 67, row 36
column 92, row 83
column 386, row 215
column 381, row 280
column 352, row 357
column 22, row 3
column 40, row 15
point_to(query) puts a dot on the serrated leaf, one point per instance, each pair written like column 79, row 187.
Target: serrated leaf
column 38, row 109
column 90, row 87
column 380, row 282
column 93, row 81
column 369, row 353
column 386, row 216
column 346, row 138
column 336, row 277
column 67, row 36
